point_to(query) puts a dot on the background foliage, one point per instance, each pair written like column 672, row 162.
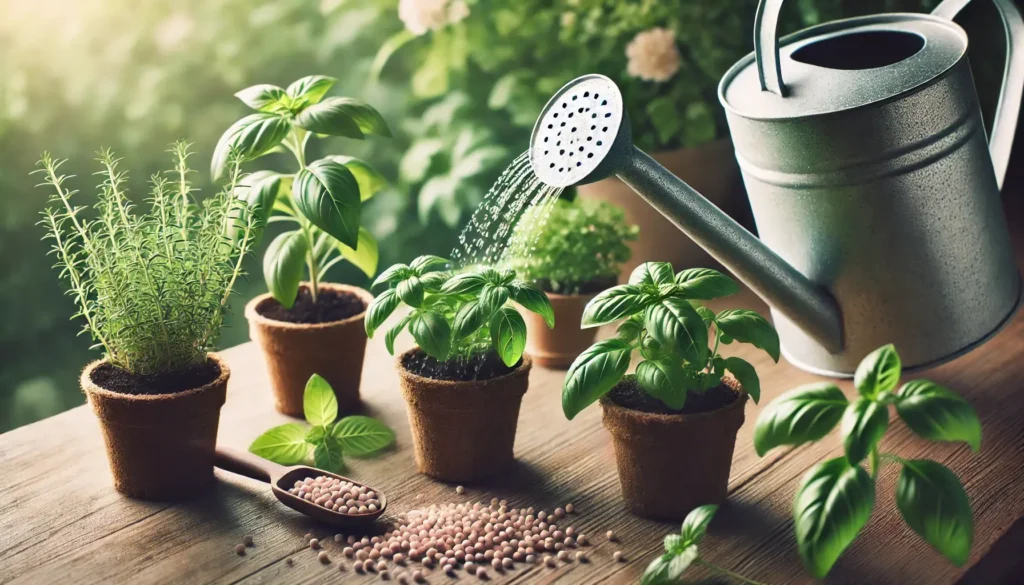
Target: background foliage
column 78, row 75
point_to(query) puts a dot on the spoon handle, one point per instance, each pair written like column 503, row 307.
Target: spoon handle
column 247, row 464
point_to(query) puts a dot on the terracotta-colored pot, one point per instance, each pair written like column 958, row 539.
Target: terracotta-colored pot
column 160, row 446
column 296, row 351
column 711, row 169
column 558, row 347
column 671, row 463
column 464, row 431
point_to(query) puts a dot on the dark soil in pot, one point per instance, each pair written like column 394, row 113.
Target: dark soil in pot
column 463, row 429
column 630, row 395
column 557, row 348
column 325, row 338
column 160, row 431
column 478, row 367
column 670, row 463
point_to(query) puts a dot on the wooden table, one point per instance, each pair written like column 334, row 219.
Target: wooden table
column 61, row 522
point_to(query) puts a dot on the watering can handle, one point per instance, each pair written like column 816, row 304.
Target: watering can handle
column 766, row 53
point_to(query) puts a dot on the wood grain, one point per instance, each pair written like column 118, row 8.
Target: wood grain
column 60, row 521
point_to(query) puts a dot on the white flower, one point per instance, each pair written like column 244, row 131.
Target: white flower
column 420, row 16
column 653, row 55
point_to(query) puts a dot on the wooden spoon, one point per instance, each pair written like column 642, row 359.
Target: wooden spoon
column 282, row 478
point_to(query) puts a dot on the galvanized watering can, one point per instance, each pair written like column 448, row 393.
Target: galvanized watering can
column 874, row 188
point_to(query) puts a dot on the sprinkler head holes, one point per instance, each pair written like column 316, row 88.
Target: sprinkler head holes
column 580, row 134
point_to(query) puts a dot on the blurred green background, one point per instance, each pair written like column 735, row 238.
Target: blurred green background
column 77, row 75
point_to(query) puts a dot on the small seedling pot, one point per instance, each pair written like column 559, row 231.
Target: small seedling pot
column 464, row 431
column 671, row 463
column 160, row 446
column 295, row 351
column 559, row 346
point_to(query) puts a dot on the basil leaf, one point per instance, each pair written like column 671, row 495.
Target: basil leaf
column 613, row 304
column 327, row 454
column 433, row 281
column 466, row 283
column 379, row 310
column 706, row 314
column 933, row 503
column 652, row 273
column 631, row 328
column 508, row 335
column 832, row 505
column 596, row 371
column 328, row 196
column 468, row 320
column 747, row 326
column 864, row 422
column 284, row 444
column 362, row 435
column 389, row 337
column 704, row 283
column 493, row 298
column 534, row 300
column 410, row 291
column 250, row 137
column 311, row 88
column 799, row 416
column 258, row 191
column 669, row 568
column 342, row 116
column 283, row 264
column 695, row 525
column 365, row 255
column 370, row 181
column 319, row 405
column 746, row 375
column 878, row 372
column 676, row 325
column 664, row 380
column 263, row 97
column 424, row 263
column 395, row 273
column 315, row 434
column 432, row 334
column 936, row 413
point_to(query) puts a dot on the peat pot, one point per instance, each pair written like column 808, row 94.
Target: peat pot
column 557, row 347
column 671, row 463
column 295, row 351
column 463, row 431
column 160, row 446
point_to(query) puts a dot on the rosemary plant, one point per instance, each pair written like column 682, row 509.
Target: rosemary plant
column 151, row 287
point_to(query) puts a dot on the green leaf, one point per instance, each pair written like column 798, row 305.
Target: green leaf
column 327, row 455
column 535, row 301
column 613, row 304
column 259, row 190
column 342, row 116
column 380, row 309
column 596, row 371
column 695, row 525
column 250, row 137
column 410, row 291
column 365, row 255
column 311, row 88
column 389, row 337
column 746, row 375
column 705, row 313
column 747, row 326
column 284, row 444
column 319, row 405
column 394, row 273
column 424, row 263
column 328, row 196
column 933, row 503
column 832, row 505
column 664, row 380
column 799, row 416
column 668, row 569
column 936, row 413
column 362, row 435
column 316, row 434
column 466, row 283
column 492, row 298
column 432, row 334
column 263, row 97
column 878, row 372
column 704, row 283
column 469, row 318
column 370, row 181
column 508, row 334
column 864, row 422
column 652, row 273
column 433, row 281
column 676, row 325
column 631, row 328
column 283, row 264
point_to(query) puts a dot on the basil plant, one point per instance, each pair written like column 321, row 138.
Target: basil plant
column 457, row 316
column 323, row 198
column 663, row 319
column 836, row 497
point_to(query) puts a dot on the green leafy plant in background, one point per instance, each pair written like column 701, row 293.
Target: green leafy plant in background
column 663, row 319
column 457, row 316
column 682, row 552
column 152, row 288
column 574, row 246
column 836, row 497
column 328, row 437
column 324, row 198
